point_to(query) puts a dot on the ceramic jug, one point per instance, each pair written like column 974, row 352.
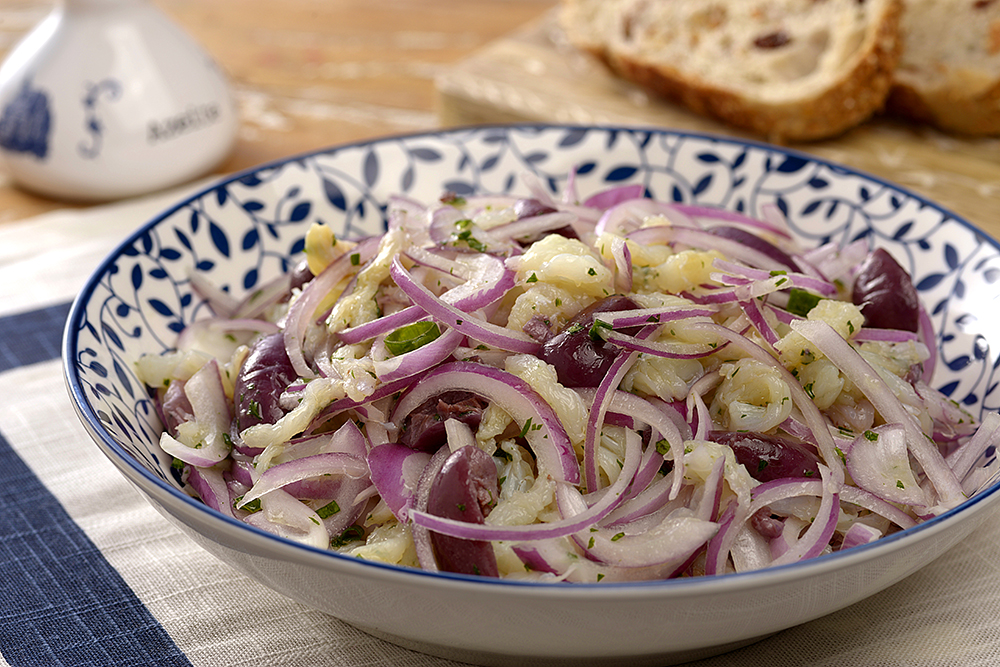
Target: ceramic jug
column 106, row 99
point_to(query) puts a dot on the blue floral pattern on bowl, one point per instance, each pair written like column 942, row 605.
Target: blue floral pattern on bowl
column 243, row 231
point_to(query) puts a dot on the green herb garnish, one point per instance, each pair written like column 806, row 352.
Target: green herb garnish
column 412, row 336
column 328, row 510
column 800, row 302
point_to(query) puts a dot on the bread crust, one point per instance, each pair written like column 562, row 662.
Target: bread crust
column 950, row 112
column 859, row 92
column 941, row 98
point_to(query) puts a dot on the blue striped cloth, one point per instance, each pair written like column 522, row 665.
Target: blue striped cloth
column 90, row 574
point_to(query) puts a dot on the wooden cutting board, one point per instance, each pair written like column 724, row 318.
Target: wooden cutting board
column 534, row 75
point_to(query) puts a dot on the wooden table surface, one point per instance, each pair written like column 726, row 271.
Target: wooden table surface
column 312, row 73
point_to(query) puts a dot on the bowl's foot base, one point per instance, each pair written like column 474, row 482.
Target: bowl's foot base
column 490, row 659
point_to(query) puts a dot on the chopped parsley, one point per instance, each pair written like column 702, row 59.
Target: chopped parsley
column 595, row 330
column 800, row 302
column 252, row 506
column 328, row 510
column 351, row 534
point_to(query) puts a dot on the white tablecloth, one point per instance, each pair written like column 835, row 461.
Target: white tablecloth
column 90, row 574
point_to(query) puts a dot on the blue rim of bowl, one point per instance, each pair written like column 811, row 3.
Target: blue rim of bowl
column 750, row 579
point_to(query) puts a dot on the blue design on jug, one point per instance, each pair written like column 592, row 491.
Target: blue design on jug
column 111, row 90
column 26, row 121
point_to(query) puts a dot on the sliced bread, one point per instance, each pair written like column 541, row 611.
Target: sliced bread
column 790, row 70
column 949, row 71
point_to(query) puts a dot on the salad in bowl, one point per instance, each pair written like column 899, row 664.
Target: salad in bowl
column 599, row 394
column 552, row 387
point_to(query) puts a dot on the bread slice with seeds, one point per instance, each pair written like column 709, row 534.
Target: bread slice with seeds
column 949, row 70
column 789, row 70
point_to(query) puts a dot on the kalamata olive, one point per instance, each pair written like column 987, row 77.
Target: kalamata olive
column 767, row 457
column 538, row 328
column 765, row 524
column 300, row 275
column 175, row 406
column 423, row 429
column 266, row 373
column 466, row 489
column 582, row 360
column 529, row 208
column 751, row 240
column 885, row 293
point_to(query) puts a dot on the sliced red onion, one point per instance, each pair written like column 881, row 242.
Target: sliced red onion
column 811, row 544
column 834, row 262
column 420, row 359
column 614, row 196
column 395, row 472
column 222, row 303
column 791, row 278
column 442, row 221
column 672, row 541
column 858, row 534
column 321, row 469
column 529, row 228
column 287, row 517
column 213, row 416
column 623, row 264
column 925, row 330
column 986, row 436
column 699, row 238
column 544, row 432
column 647, row 470
column 750, row 550
column 820, row 531
column 652, row 498
column 642, row 410
column 491, row 334
column 601, row 403
column 488, row 281
column 676, row 412
column 860, row 372
column 754, row 313
column 569, row 525
column 781, row 314
column 211, row 487
column 659, row 349
column 259, row 300
column 879, row 462
column 661, row 315
column 627, row 215
column 708, row 506
column 380, row 326
column 458, row 434
column 437, row 260
column 873, row 334
column 408, row 214
column 700, row 421
column 561, row 558
column 717, row 551
column 772, row 223
column 302, row 312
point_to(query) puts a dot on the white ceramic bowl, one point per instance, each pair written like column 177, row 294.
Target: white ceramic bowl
column 242, row 231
